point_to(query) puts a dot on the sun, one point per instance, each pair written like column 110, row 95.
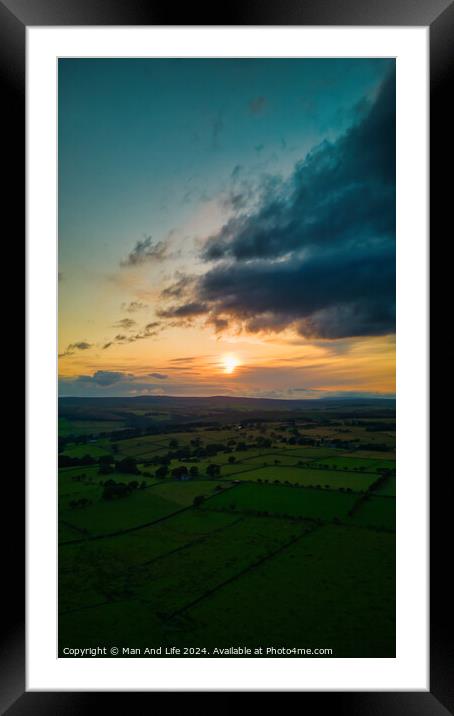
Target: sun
column 230, row 363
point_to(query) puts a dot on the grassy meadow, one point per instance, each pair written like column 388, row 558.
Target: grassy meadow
column 255, row 529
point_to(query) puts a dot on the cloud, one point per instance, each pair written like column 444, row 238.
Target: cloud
column 102, row 377
column 342, row 191
column 240, row 193
column 179, row 287
column 318, row 252
column 151, row 329
column 220, row 324
column 125, row 323
column 257, row 105
column 80, row 346
column 146, row 252
column 187, row 310
column 133, row 306
column 120, row 383
column 336, row 294
column 158, row 376
column 186, row 359
column 73, row 347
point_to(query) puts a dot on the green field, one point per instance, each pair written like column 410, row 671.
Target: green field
column 308, row 477
column 86, row 482
column 190, row 597
column 183, row 493
column 174, row 561
column 281, row 550
column 97, row 449
column 101, row 517
column 88, row 427
column 376, row 512
column 94, row 568
column 347, row 592
column 281, row 500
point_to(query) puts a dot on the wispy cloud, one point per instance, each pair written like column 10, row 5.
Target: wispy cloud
column 126, row 323
column 257, row 105
column 133, row 306
column 73, row 347
column 146, row 252
column 151, row 329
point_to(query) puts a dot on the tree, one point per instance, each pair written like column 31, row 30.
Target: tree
column 106, row 460
column 105, row 469
column 162, row 471
column 179, row 471
column 128, row 465
column 113, row 490
column 232, row 459
column 213, row 470
column 198, row 500
column 194, row 471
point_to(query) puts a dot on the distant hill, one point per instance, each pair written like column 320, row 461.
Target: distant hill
column 222, row 401
column 144, row 411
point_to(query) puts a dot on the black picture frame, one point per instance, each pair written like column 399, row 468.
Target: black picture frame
column 15, row 17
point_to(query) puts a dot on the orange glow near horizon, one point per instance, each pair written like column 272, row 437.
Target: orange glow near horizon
column 230, row 363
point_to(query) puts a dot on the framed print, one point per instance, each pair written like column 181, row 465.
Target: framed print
column 227, row 317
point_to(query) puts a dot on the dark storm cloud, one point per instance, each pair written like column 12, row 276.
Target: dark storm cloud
column 219, row 323
column 319, row 252
column 342, row 191
column 329, row 295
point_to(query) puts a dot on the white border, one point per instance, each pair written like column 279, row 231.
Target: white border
column 409, row 671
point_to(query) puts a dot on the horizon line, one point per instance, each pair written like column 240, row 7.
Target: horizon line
column 384, row 396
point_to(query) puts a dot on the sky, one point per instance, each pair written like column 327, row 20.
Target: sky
column 226, row 227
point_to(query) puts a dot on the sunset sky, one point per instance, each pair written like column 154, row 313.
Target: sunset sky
column 227, row 227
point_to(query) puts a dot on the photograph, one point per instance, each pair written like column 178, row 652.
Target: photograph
column 226, row 357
